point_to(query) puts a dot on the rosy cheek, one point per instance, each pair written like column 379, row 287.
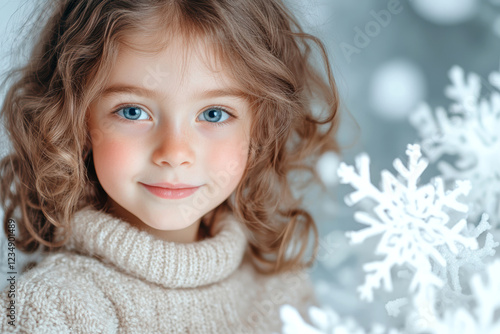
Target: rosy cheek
column 230, row 160
column 111, row 159
column 115, row 153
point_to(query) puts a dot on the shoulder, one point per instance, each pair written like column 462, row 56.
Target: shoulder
column 297, row 285
column 268, row 293
column 294, row 287
column 56, row 296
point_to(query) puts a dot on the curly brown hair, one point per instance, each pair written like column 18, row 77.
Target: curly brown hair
column 49, row 175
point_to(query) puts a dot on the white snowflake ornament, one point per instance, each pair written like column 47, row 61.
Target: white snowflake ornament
column 468, row 133
column 412, row 219
column 325, row 321
column 485, row 318
column 466, row 262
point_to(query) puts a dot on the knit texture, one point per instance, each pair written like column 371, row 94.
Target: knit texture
column 113, row 278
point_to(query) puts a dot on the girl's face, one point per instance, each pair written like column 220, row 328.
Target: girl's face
column 165, row 119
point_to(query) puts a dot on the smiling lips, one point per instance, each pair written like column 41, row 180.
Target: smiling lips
column 172, row 186
column 171, row 191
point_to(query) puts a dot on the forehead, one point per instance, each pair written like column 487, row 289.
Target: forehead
column 178, row 69
column 184, row 54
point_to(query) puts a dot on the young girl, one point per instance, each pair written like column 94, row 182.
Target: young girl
column 153, row 142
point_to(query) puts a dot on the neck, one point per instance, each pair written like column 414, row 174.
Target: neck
column 193, row 233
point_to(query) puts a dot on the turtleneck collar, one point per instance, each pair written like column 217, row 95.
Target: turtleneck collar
column 170, row 264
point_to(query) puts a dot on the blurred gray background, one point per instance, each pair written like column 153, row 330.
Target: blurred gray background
column 387, row 57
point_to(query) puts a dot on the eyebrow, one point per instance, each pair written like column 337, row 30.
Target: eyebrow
column 205, row 94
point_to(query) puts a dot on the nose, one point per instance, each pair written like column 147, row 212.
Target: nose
column 173, row 148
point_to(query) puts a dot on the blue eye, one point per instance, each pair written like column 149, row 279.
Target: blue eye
column 131, row 113
column 214, row 115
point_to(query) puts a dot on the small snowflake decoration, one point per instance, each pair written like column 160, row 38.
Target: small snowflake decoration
column 473, row 260
column 469, row 131
column 422, row 314
column 485, row 317
column 412, row 221
column 325, row 321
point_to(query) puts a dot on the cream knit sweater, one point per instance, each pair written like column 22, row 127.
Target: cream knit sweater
column 114, row 278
